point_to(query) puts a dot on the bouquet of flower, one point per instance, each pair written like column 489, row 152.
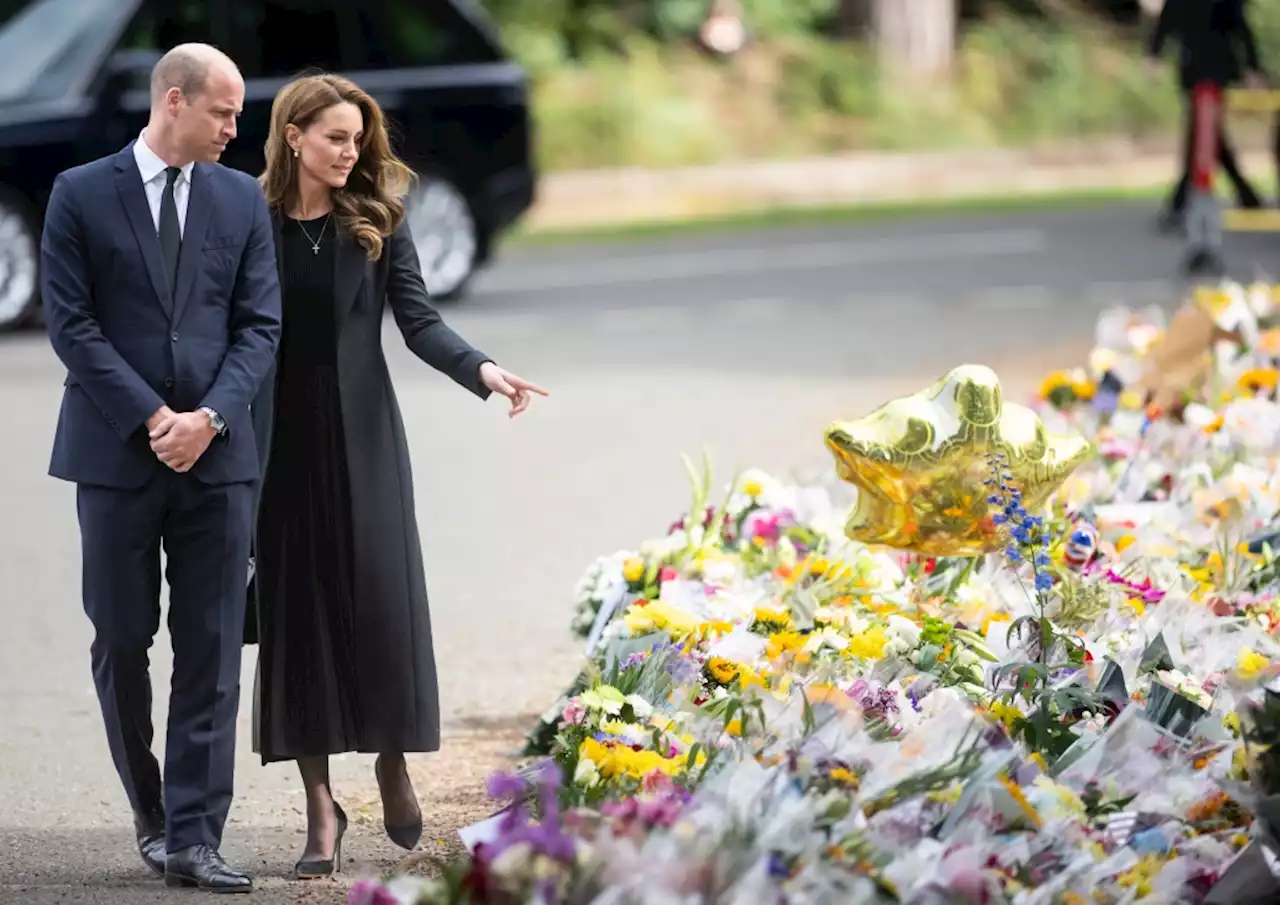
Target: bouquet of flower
column 768, row 711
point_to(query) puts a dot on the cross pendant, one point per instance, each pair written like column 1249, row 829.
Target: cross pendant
column 315, row 249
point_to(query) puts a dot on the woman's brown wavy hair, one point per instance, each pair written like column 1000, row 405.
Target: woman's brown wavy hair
column 371, row 206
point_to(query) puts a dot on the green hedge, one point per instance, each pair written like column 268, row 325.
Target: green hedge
column 621, row 85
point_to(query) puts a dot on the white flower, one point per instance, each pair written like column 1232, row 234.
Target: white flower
column 513, row 861
column 639, row 706
column 940, row 701
column 825, row 638
column 586, row 773
column 902, row 629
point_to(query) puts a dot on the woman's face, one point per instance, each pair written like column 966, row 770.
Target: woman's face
column 329, row 148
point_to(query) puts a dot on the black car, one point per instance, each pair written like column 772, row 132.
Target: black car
column 74, row 80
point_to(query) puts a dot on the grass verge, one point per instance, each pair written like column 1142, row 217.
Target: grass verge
column 775, row 217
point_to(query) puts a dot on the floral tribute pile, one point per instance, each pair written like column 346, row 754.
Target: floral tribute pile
column 772, row 713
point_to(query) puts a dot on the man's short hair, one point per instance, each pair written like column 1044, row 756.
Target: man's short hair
column 185, row 67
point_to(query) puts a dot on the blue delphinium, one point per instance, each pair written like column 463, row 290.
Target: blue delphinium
column 1025, row 537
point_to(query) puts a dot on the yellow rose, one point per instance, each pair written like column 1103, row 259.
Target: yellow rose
column 633, row 569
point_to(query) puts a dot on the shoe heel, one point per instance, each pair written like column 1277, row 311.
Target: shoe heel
column 337, row 842
column 315, row 870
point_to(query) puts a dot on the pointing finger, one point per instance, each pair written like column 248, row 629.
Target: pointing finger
column 527, row 385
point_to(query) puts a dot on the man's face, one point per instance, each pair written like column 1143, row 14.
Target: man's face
column 206, row 123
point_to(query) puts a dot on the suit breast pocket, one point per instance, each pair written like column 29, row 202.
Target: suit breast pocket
column 219, row 259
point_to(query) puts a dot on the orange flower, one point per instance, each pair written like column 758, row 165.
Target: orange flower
column 1257, row 380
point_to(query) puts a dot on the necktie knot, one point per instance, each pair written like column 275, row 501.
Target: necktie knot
column 171, row 175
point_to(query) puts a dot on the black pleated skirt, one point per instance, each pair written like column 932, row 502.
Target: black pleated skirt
column 308, row 695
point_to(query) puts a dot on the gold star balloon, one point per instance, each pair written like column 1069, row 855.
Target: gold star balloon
column 921, row 463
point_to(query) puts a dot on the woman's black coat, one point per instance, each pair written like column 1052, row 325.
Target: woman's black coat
column 387, row 555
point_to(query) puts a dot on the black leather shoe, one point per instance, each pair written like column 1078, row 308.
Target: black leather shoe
column 201, row 867
column 150, row 835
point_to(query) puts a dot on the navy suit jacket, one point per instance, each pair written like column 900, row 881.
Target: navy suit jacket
column 129, row 345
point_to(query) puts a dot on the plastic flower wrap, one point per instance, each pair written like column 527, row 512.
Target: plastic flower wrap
column 768, row 711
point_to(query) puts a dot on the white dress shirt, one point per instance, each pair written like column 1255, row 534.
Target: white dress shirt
column 152, row 170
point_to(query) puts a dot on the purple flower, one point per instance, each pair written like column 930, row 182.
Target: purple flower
column 873, row 697
column 683, row 670
column 506, row 787
column 778, row 868
column 367, row 892
column 548, row 780
column 545, row 838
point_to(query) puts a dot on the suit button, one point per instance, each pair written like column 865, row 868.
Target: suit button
column 174, row 337
column 168, row 382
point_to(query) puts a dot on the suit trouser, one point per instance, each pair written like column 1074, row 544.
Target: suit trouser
column 205, row 532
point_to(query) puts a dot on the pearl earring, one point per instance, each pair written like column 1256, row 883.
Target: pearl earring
column 295, row 152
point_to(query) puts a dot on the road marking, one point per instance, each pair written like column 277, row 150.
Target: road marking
column 748, row 311
column 864, row 303
column 814, row 255
column 480, row 320
column 1011, row 298
column 1131, row 292
column 769, row 310
column 640, row 317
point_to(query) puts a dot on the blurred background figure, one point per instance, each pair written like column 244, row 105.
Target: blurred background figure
column 1216, row 45
column 724, row 32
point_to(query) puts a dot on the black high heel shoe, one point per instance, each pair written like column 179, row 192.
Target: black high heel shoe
column 317, row 868
column 405, row 835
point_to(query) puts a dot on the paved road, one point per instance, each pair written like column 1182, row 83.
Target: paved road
column 748, row 343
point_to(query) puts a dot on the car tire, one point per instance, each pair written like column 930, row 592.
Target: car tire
column 19, row 264
column 446, row 233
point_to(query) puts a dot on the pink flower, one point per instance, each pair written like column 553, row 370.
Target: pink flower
column 667, row 574
column 574, row 713
column 1145, row 590
column 366, row 892
column 765, row 527
column 961, row 871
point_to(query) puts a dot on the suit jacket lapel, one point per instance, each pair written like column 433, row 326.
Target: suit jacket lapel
column 199, row 206
column 349, row 263
column 134, row 198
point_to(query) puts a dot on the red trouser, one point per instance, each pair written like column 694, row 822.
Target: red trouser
column 1206, row 105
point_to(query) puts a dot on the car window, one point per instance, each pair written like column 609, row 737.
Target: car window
column 48, row 46
column 403, row 34
column 161, row 24
column 281, row 38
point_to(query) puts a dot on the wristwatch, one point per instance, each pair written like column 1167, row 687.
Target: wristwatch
column 215, row 420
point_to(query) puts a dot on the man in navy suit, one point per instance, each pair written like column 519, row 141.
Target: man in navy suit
column 158, row 276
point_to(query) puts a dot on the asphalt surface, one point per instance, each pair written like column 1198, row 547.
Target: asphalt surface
column 747, row 343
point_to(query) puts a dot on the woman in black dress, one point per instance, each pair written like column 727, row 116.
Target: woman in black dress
column 338, row 598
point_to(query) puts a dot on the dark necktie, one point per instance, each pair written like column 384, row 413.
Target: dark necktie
column 170, row 233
